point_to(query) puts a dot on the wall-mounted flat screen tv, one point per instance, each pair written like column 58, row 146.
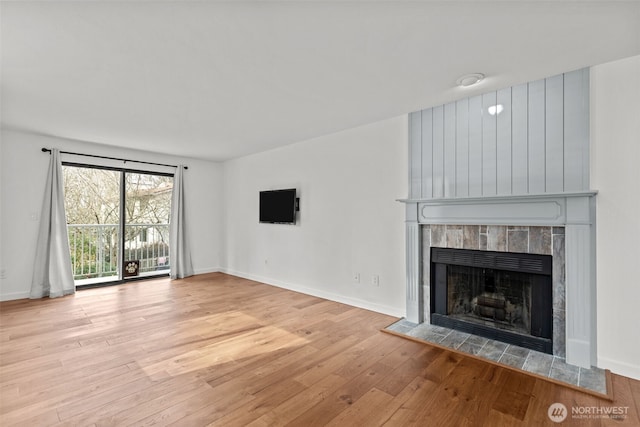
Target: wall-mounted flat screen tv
column 278, row 206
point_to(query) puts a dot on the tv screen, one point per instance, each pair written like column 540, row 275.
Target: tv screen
column 278, row 206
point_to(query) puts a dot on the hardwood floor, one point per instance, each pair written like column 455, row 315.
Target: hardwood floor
column 219, row 350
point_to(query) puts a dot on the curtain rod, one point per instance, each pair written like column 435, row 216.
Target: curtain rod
column 48, row 150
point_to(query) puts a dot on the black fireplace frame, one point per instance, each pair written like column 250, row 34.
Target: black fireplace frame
column 540, row 268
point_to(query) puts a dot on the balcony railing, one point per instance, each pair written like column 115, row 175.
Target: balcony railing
column 95, row 248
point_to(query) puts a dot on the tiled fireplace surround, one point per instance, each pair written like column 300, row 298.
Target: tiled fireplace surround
column 561, row 225
column 521, row 239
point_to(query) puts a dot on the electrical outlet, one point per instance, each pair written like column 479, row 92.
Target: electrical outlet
column 3, row 274
column 375, row 280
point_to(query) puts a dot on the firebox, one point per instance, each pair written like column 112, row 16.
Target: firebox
column 504, row 296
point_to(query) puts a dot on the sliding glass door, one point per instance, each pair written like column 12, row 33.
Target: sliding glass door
column 118, row 223
column 92, row 204
column 146, row 226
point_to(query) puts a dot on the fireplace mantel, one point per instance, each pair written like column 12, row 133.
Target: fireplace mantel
column 531, row 209
column 574, row 211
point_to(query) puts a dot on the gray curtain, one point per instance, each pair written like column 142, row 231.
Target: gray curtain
column 179, row 252
column 52, row 274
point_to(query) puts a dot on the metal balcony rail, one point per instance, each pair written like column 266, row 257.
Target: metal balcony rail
column 95, row 248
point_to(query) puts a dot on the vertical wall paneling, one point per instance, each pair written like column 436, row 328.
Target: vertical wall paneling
column 538, row 143
column 462, row 148
column 438, row 152
column 554, row 138
column 489, row 153
column 450, row 150
column 576, row 130
column 520, row 138
column 536, row 137
column 503, row 141
column 475, row 146
column 415, row 155
column 427, row 154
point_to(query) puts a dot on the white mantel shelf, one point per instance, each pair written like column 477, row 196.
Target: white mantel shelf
column 554, row 209
column 467, row 200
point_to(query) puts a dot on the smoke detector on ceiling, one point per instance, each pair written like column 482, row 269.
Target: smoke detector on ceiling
column 470, row 79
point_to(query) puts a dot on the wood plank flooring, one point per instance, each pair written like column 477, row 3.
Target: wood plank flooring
column 224, row 351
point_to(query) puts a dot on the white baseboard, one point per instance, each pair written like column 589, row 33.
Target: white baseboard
column 355, row 302
column 14, row 295
column 207, row 270
column 620, row 368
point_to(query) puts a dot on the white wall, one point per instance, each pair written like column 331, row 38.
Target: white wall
column 615, row 169
column 349, row 221
column 23, row 170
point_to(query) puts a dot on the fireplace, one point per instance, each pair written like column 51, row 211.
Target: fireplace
column 516, row 182
column 499, row 295
column 560, row 226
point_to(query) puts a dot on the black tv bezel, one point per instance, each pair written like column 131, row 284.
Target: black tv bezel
column 295, row 207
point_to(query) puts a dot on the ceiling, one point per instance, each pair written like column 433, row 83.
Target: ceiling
column 218, row 80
